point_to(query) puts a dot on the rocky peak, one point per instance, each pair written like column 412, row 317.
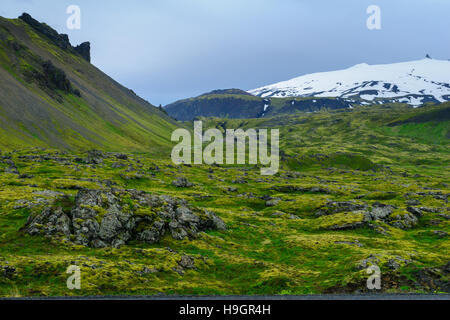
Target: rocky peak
column 84, row 50
column 60, row 40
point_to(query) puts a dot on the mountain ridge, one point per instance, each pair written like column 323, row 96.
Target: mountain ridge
column 233, row 104
column 414, row 83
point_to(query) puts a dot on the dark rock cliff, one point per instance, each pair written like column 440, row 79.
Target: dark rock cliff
column 84, row 50
column 61, row 40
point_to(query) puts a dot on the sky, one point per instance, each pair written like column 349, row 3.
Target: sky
column 166, row 50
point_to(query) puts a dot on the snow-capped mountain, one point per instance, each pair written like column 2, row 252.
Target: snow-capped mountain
column 414, row 82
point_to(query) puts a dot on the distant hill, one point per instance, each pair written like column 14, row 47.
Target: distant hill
column 228, row 92
column 52, row 96
column 238, row 104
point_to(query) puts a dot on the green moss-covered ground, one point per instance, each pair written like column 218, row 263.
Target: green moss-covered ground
column 283, row 249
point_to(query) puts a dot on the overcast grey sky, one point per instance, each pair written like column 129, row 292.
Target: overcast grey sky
column 166, row 50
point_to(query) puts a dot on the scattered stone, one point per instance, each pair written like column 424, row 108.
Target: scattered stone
column 430, row 210
column 285, row 215
column 404, row 220
column 12, row 170
column 182, row 182
column 94, row 157
column 249, row 225
column 133, row 176
column 240, row 181
column 178, row 270
column 434, row 279
column 378, row 229
column 347, row 226
column 397, row 262
column 371, row 260
column 349, row 243
column 415, row 211
column 381, row 211
column 393, row 263
column 7, row 271
column 334, row 207
column 434, row 222
column 438, row 195
column 118, row 165
column 48, row 193
column 412, row 202
column 278, row 214
column 440, row 234
column 272, row 203
column 248, row 195
column 26, row 176
column 36, row 202
column 377, row 212
column 146, row 270
column 294, row 188
column 187, row 262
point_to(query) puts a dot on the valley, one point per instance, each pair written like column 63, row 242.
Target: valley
column 354, row 189
column 86, row 180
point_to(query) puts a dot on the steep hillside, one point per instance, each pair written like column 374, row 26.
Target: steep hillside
column 52, row 96
column 413, row 83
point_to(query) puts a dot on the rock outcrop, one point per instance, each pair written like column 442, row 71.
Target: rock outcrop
column 55, row 78
column 337, row 207
column 51, row 79
column 84, row 50
column 182, row 182
column 112, row 218
column 94, row 157
column 375, row 212
column 60, row 40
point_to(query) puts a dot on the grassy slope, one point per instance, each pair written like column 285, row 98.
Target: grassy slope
column 218, row 105
column 357, row 155
column 106, row 116
column 384, row 134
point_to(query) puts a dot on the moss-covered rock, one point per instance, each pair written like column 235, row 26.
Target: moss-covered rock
column 112, row 218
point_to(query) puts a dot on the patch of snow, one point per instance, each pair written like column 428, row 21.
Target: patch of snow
column 368, row 97
column 266, row 106
column 422, row 77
